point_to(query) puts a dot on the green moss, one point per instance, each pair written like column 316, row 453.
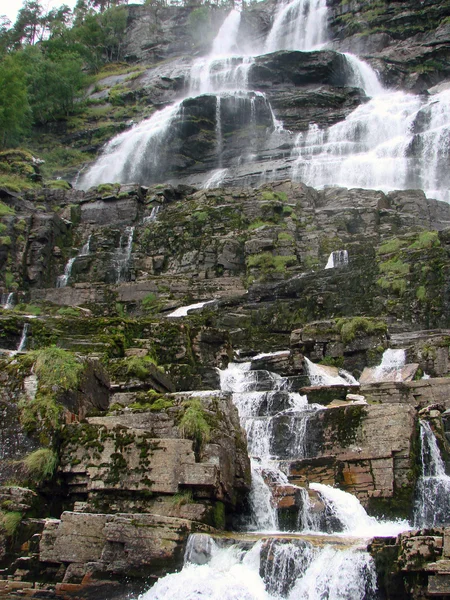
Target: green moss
column 139, row 366
column 257, row 224
column 391, row 246
column 285, row 237
column 5, row 241
column 219, row 515
column 5, row 210
column 58, row 184
column 40, row 416
column 394, row 266
column 426, row 239
column 349, row 329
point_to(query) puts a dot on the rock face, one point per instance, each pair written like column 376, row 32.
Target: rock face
column 151, row 290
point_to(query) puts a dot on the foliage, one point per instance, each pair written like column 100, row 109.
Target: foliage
column 139, row 366
column 40, row 416
column 184, row 497
column 10, row 521
column 56, row 369
column 14, row 107
column 193, row 424
column 58, row 184
column 41, row 464
column 349, row 329
column 427, row 239
column 5, row 210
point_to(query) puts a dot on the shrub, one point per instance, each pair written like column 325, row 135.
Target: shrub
column 350, row 328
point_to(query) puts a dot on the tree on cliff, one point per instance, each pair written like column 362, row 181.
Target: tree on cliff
column 14, row 106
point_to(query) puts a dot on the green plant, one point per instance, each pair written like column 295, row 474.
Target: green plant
column 58, row 184
column 391, row 246
column 351, row 328
column 139, row 366
column 41, row 464
column 41, row 415
column 56, row 369
column 4, row 209
column 193, row 424
column 184, row 497
column 10, row 522
column 426, row 239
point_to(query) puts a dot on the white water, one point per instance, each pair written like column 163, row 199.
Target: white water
column 8, row 302
column 63, row 280
column 183, row 310
column 122, row 257
column 320, row 376
column 153, row 215
column 23, row 340
column 391, row 365
column 298, row 25
column 337, row 259
column 432, row 506
column 347, row 509
column 215, row 178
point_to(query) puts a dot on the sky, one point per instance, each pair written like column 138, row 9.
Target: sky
column 10, row 8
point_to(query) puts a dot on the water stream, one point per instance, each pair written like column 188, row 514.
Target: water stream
column 432, row 506
column 63, row 280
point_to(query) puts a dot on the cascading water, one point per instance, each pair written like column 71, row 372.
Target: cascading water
column 298, row 25
column 23, row 339
column 274, row 567
column 391, row 365
column 432, row 507
column 337, row 259
column 122, row 257
column 321, row 376
column 8, row 301
column 63, row 279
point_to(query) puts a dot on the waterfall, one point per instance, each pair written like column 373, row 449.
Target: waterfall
column 122, row 257
column 8, row 301
column 391, row 364
column 337, row 259
column 153, row 215
column 183, row 310
column 63, row 280
column 133, row 152
column 432, row 507
column 321, row 376
column 298, row 25
column 363, row 76
column 23, row 340
column 215, row 178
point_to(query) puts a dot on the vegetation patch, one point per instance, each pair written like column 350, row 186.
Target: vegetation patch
column 10, row 521
column 349, row 329
column 194, row 425
column 41, row 464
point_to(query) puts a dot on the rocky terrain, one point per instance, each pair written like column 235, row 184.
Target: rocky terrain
column 118, row 437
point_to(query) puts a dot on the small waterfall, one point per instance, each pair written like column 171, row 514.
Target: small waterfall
column 321, row 376
column 23, row 340
column 8, row 301
column 215, row 178
column 153, row 215
column 183, row 310
column 391, row 365
column 432, row 507
column 337, row 259
column 219, row 138
column 433, row 143
column 363, row 76
column 298, row 25
column 63, row 280
column 348, row 511
column 123, row 255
